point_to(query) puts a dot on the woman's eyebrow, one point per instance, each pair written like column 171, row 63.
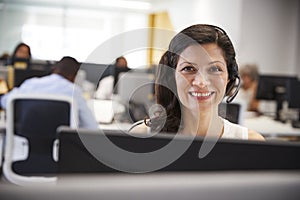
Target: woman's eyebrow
column 194, row 64
column 217, row 61
column 214, row 62
column 186, row 62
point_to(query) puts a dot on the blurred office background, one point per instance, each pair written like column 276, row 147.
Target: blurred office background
column 265, row 32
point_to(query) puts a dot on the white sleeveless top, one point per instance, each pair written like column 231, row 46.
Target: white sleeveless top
column 234, row 131
column 231, row 130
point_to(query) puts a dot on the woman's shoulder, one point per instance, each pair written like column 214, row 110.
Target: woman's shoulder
column 231, row 128
column 253, row 135
column 234, row 131
column 139, row 127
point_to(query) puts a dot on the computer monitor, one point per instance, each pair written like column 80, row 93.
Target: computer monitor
column 137, row 87
column 42, row 65
column 34, row 68
column 20, row 63
column 116, row 71
column 274, row 87
column 294, row 94
column 4, row 73
column 231, row 111
column 227, row 154
column 96, row 72
column 136, row 93
column 3, row 79
column 294, row 100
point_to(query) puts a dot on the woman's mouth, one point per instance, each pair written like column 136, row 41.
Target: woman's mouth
column 201, row 95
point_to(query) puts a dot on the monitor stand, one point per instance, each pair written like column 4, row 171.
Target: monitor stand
column 280, row 96
column 296, row 123
column 279, row 107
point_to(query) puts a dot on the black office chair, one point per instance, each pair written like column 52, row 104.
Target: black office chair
column 232, row 112
column 30, row 149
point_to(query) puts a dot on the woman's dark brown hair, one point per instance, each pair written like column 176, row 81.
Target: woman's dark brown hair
column 18, row 47
column 165, row 86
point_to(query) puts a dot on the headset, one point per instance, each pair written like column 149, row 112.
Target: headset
column 234, row 82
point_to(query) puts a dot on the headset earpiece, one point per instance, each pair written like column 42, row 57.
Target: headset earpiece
column 232, row 95
column 233, row 84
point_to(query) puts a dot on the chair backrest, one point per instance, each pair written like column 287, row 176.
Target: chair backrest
column 31, row 136
column 233, row 112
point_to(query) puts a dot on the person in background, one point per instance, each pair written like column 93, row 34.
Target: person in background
column 249, row 75
column 120, row 66
column 107, row 86
column 121, row 62
column 60, row 82
column 193, row 76
column 22, row 51
column 4, row 58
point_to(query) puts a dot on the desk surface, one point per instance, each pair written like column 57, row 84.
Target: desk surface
column 116, row 126
column 262, row 124
column 269, row 127
column 273, row 185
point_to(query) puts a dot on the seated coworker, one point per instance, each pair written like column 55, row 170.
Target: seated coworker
column 60, row 82
column 193, row 76
column 107, row 86
column 22, row 50
column 249, row 74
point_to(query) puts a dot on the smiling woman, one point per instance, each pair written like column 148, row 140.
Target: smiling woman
column 204, row 69
column 193, row 77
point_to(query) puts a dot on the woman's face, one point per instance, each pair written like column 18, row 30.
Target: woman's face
column 121, row 63
column 201, row 76
column 22, row 52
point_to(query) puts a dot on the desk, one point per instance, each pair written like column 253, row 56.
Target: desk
column 116, row 126
column 267, row 126
column 262, row 124
column 275, row 185
column 2, row 135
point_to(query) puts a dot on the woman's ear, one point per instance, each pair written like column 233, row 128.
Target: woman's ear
column 232, row 94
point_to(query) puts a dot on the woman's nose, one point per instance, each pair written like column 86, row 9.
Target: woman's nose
column 200, row 80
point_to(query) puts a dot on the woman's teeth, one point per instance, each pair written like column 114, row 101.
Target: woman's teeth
column 201, row 94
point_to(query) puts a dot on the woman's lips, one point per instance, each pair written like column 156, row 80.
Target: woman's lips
column 201, row 95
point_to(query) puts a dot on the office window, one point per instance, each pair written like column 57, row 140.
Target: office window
column 53, row 32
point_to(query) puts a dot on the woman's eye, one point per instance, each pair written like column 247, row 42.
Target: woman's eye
column 215, row 69
column 188, row 69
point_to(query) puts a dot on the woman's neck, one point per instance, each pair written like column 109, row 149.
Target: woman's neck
column 202, row 123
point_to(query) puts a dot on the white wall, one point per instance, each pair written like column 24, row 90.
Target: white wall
column 270, row 35
column 298, row 48
column 265, row 32
column 225, row 14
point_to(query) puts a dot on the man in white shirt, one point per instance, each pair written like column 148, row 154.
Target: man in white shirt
column 60, row 82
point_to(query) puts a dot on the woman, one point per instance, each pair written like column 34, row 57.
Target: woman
column 22, row 51
column 193, row 77
column 249, row 74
